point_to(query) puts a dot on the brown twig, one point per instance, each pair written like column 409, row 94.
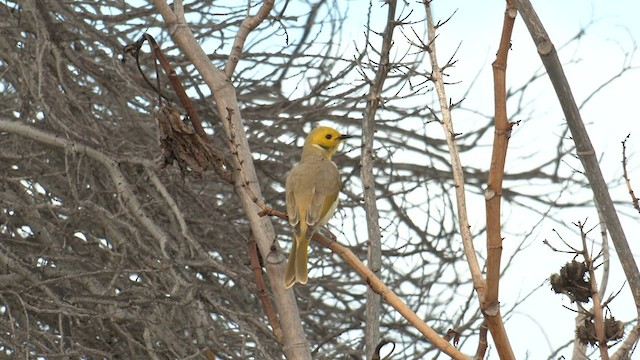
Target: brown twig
column 262, row 290
column 483, row 344
column 273, row 212
column 233, row 144
column 175, row 137
column 173, row 78
column 625, row 175
column 489, row 303
column 493, row 193
column 389, row 296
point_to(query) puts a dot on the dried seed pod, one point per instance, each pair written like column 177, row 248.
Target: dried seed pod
column 586, row 333
column 572, row 281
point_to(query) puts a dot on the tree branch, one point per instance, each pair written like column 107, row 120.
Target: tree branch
column 248, row 24
column 374, row 256
column 489, row 303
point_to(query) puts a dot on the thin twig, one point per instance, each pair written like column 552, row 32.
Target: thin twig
column 262, row 290
column 264, row 209
column 625, row 175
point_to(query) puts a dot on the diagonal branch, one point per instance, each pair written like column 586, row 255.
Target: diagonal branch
column 256, row 267
column 587, row 156
column 248, row 24
column 376, row 285
column 122, row 185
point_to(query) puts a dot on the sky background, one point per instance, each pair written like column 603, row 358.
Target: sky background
column 541, row 324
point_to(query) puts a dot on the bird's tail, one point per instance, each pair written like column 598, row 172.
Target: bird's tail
column 296, row 270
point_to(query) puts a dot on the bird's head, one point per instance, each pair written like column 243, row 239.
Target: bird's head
column 323, row 140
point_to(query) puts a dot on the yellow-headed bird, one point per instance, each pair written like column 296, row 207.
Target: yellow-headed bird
column 312, row 196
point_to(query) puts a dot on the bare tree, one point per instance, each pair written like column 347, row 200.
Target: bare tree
column 111, row 247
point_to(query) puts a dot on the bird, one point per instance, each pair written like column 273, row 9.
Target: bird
column 312, row 189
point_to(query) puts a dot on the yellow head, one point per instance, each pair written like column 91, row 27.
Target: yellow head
column 323, row 141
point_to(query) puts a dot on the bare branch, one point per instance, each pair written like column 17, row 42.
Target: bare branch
column 625, row 175
column 374, row 255
column 247, row 25
column 489, row 301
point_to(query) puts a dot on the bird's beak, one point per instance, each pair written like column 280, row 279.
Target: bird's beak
column 342, row 137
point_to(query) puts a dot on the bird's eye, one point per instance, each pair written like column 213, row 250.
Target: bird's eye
column 328, row 136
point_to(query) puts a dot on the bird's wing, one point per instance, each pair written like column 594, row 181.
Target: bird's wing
column 325, row 194
column 292, row 206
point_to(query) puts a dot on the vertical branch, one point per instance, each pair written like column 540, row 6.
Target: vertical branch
column 493, row 193
column 374, row 256
column 456, row 165
column 606, row 256
column 625, row 175
column 584, row 149
column 295, row 343
column 483, row 344
column 490, row 304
